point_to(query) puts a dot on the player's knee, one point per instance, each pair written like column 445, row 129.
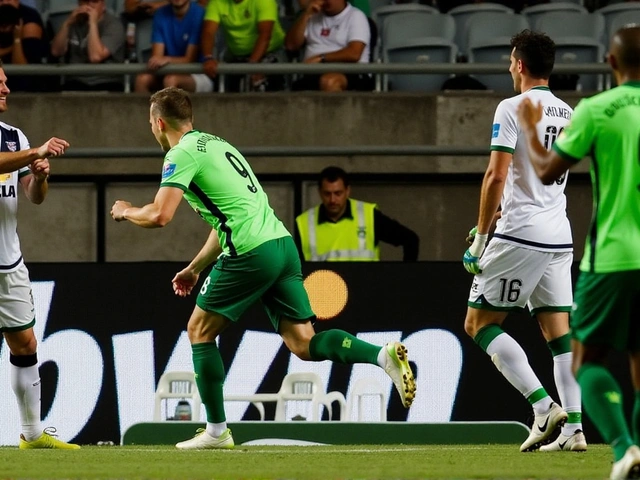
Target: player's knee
column 470, row 326
column 299, row 347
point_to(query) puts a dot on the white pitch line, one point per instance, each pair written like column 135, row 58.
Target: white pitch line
column 325, row 450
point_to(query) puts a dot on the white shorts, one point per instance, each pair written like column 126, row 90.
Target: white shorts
column 203, row 83
column 513, row 277
column 16, row 301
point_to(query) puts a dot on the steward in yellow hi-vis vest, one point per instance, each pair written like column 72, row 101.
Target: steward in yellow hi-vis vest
column 350, row 239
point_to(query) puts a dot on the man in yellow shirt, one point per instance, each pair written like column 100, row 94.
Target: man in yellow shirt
column 252, row 33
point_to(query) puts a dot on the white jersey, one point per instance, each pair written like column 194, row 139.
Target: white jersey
column 325, row 34
column 533, row 215
column 11, row 140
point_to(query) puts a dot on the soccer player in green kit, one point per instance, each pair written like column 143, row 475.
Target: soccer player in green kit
column 255, row 258
column 606, row 126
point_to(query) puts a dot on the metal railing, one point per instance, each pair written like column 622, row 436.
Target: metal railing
column 294, row 151
column 293, row 68
column 130, row 69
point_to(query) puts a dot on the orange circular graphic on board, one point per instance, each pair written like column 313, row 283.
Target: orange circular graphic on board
column 328, row 293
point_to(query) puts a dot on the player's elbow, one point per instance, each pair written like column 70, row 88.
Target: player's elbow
column 495, row 177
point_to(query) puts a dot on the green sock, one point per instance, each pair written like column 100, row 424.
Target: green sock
column 342, row 347
column 207, row 364
column 636, row 418
column 560, row 345
column 602, row 399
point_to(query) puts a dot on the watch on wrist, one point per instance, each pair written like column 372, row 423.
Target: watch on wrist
column 323, row 58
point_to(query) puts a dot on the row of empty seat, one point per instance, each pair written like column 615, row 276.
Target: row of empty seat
column 416, row 33
column 301, row 397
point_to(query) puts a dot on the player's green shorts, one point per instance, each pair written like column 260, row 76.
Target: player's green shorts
column 602, row 309
column 270, row 272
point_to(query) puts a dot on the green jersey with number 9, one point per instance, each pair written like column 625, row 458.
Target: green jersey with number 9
column 607, row 126
column 220, row 186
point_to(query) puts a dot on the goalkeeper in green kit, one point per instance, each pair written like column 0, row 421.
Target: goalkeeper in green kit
column 255, row 259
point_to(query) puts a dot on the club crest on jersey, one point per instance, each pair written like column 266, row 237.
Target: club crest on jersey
column 11, row 146
column 325, row 32
column 168, row 169
column 496, row 130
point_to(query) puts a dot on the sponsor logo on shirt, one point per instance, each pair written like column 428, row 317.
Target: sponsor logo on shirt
column 168, row 169
column 4, row 177
column 496, row 130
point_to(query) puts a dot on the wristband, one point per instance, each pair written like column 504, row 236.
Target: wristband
column 478, row 245
column 207, row 57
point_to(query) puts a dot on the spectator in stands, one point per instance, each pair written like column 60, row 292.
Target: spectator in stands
column 136, row 10
column 359, row 4
column 21, row 41
column 344, row 229
column 332, row 31
column 91, row 35
column 175, row 39
column 252, row 33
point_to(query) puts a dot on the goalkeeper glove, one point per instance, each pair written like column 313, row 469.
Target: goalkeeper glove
column 471, row 258
column 472, row 235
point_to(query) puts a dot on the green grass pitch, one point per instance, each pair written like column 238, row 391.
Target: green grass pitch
column 311, row 462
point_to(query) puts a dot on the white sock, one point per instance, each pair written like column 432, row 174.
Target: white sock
column 382, row 356
column 216, row 429
column 510, row 359
column 25, row 382
column 568, row 389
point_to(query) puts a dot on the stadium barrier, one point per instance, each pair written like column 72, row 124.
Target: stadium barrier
column 107, row 332
column 130, row 69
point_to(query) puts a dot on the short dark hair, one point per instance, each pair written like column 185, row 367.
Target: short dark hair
column 628, row 52
column 536, row 50
column 333, row 174
column 173, row 104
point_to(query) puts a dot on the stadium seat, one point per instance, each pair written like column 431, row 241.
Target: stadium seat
column 176, row 385
column 417, row 38
column 379, row 15
column 359, row 403
column 616, row 8
column 489, row 40
column 463, row 13
column 534, row 12
column 571, row 24
column 143, row 39
column 617, row 21
column 301, row 395
column 298, row 389
column 581, row 50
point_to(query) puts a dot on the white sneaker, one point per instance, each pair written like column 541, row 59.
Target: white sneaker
column 573, row 443
column 397, row 366
column 628, row 466
column 543, row 426
column 202, row 441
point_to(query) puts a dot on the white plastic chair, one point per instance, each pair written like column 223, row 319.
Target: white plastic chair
column 363, row 389
column 300, row 387
column 177, row 385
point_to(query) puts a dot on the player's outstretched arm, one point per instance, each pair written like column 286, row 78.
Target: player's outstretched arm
column 153, row 215
column 12, row 161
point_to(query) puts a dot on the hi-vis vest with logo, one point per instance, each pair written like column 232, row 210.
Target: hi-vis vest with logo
column 348, row 240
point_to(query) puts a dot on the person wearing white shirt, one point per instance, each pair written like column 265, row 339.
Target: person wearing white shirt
column 332, row 31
